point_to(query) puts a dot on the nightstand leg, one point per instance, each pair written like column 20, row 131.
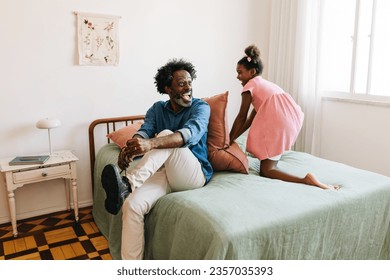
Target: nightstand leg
column 75, row 200
column 67, row 194
column 12, row 211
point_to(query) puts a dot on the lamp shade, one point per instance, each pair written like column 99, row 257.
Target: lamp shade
column 48, row 123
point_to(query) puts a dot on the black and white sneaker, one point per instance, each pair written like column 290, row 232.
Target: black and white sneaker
column 117, row 188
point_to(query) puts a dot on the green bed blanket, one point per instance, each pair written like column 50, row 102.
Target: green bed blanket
column 238, row 216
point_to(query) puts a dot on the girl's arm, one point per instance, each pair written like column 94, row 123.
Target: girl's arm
column 242, row 122
column 249, row 120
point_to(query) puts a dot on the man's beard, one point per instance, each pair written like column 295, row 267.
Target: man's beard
column 183, row 100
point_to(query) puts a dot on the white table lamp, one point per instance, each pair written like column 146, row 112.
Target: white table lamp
column 48, row 124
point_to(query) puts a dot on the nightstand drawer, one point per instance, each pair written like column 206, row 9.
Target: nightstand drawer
column 41, row 174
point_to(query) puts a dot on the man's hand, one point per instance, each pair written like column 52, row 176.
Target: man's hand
column 123, row 160
column 134, row 147
column 138, row 146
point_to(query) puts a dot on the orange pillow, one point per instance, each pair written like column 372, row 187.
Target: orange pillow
column 218, row 134
column 221, row 155
column 231, row 158
column 121, row 136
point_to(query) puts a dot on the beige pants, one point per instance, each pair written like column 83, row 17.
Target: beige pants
column 159, row 172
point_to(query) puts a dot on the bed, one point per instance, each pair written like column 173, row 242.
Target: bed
column 245, row 216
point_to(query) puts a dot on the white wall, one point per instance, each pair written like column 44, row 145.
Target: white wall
column 40, row 77
column 356, row 133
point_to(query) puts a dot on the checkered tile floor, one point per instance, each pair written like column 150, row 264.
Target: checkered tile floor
column 54, row 237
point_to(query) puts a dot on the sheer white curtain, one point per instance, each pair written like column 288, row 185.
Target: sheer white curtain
column 293, row 60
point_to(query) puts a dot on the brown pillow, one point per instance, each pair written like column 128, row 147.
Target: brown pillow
column 121, row 136
column 218, row 134
column 221, row 155
column 231, row 158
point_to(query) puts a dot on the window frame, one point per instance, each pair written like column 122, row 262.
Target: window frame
column 354, row 96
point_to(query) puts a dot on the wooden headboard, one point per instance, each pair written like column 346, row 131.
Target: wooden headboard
column 111, row 124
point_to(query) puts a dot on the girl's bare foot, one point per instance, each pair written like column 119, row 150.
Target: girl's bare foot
column 310, row 179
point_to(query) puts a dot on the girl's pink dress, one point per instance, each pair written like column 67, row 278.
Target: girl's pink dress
column 278, row 120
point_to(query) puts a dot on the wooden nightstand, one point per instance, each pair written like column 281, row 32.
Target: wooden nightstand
column 60, row 165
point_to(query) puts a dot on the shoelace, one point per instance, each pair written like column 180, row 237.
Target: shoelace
column 127, row 182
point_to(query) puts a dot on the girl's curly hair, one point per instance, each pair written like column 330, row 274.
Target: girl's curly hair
column 164, row 76
column 252, row 59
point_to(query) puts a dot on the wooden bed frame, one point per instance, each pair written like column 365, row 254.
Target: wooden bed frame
column 111, row 124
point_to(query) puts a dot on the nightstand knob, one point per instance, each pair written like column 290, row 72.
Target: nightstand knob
column 44, row 174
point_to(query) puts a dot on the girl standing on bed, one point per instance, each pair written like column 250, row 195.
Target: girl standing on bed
column 274, row 122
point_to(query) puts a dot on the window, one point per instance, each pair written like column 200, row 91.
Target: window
column 355, row 47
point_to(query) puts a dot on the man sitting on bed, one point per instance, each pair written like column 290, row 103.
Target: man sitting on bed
column 175, row 160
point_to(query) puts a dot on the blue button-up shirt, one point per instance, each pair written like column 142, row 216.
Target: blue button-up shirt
column 191, row 122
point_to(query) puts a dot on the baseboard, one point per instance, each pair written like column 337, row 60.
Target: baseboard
column 35, row 213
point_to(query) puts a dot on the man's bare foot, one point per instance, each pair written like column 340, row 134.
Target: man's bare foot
column 310, row 179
